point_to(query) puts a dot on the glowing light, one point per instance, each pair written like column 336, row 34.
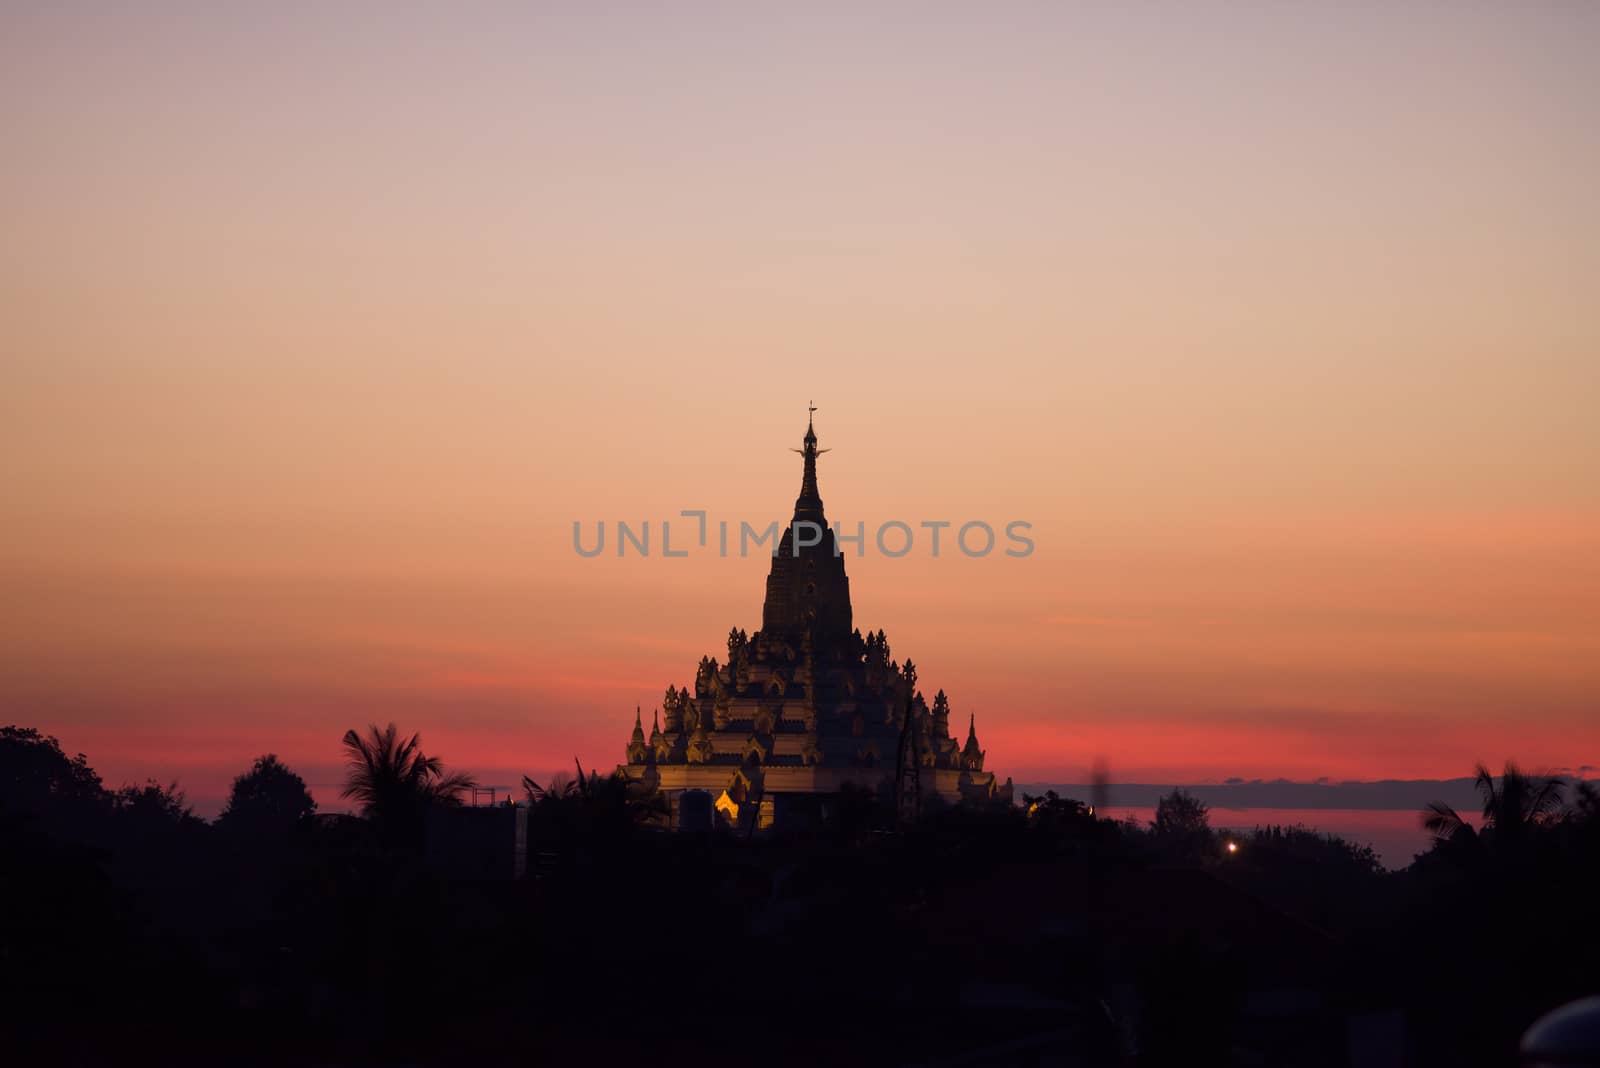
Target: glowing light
column 1233, row 847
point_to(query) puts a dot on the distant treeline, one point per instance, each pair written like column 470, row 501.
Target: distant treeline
column 1383, row 794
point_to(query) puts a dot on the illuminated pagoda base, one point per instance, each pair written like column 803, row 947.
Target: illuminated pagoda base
column 801, row 709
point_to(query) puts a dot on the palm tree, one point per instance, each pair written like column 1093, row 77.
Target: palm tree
column 557, row 788
column 1512, row 810
column 395, row 782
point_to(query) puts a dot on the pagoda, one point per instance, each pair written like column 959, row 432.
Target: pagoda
column 804, row 707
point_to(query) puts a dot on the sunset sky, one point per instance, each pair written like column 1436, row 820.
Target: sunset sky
column 320, row 326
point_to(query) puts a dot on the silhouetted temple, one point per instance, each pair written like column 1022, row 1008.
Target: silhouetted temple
column 805, row 705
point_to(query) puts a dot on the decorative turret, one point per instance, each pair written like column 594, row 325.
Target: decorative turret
column 636, row 746
column 909, row 757
column 738, row 659
column 905, row 693
column 941, row 715
column 672, row 706
column 660, row 749
column 707, row 678
column 971, row 755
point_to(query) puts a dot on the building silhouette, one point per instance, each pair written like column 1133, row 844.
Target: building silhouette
column 805, row 707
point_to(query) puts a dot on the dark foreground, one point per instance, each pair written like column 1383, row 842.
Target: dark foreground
column 133, row 933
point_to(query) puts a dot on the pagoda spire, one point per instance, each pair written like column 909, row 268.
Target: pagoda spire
column 971, row 755
column 809, row 504
column 656, row 748
column 636, row 746
column 807, row 589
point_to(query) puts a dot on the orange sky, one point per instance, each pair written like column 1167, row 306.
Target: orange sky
column 320, row 330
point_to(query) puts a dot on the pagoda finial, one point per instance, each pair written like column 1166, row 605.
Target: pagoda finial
column 809, row 506
column 810, row 440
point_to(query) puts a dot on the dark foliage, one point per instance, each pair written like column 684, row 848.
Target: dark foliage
column 133, row 932
column 395, row 782
column 1181, row 814
column 41, row 786
column 268, row 800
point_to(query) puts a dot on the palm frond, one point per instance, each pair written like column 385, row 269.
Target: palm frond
column 392, row 777
column 448, row 788
column 1484, row 781
column 1443, row 822
column 1546, row 798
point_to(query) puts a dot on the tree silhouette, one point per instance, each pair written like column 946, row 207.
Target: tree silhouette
column 156, row 839
column 1181, row 830
column 556, row 789
column 154, row 804
column 39, row 781
column 608, row 807
column 1181, row 813
column 1513, row 810
column 394, row 781
column 269, row 799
